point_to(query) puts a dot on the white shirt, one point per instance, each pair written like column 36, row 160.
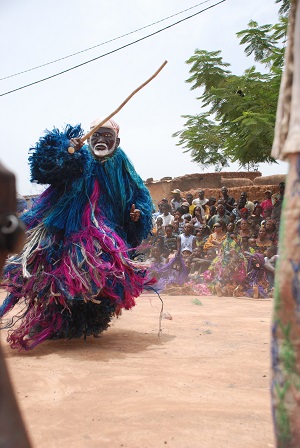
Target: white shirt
column 167, row 220
column 186, row 242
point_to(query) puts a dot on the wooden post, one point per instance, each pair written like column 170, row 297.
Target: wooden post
column 12, row 430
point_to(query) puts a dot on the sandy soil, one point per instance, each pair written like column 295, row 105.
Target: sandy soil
column 203, row 383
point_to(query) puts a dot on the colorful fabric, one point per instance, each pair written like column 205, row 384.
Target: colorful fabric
column 228, row 269
column 256, row 276
column 75, row 271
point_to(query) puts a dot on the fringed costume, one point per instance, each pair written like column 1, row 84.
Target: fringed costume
column 75, row 271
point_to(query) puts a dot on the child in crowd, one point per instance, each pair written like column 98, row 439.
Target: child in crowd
column 270, row 263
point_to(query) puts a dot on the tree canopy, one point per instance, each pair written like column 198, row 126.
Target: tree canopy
column 238, row 125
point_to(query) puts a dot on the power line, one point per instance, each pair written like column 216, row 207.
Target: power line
column 112, row 51
column 103, row 43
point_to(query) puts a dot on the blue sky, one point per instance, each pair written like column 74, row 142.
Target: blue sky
column 34, row 33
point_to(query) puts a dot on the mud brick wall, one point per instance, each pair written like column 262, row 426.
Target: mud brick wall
column 252, row 182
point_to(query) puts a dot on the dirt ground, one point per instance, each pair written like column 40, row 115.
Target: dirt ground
column 204, row 383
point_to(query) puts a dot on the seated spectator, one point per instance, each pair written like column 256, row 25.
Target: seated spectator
column 158, row 228
column 156, row 259
column 199, row 262
column 262, row 241
column 257, row 214
column 267, row 215
column 252, row 245
column 198, row 220
column 212, row 212
column 169, row 241
column 253, row 227
column 186, row 241
column 267, row 203
column 201, row 237
column 178, row 220
column 159, row 211
column 216, row 238
column 244, row 243
column 256, row 283
column 232, row 217
column 270, row 263
column 228, row 270
column 244, row 229
column 176, row 230
column 184, row 209
column 230, row 228
column 166, row 216
column 271, row 228
column 237, row 210
column 221, row 215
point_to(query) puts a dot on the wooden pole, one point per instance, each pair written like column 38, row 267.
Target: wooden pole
column 12, row 430
column 71, row 149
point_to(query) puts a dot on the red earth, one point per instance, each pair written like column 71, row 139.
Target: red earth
column 203, row 382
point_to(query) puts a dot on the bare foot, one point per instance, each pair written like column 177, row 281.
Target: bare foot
column 219, row 290
column 255, row 292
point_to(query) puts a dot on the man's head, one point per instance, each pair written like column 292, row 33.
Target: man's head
column 189, row 197
column 281, row 186
column 224, row 191
column 185, row 206
column 104, row 141
column 268, row 194
column 188, row 229
column 176, row 193
column 201, row 194
column 221, row 209
column 169, row 230
column 166, row 208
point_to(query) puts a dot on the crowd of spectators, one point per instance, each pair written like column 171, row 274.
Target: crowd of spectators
column 226, row 247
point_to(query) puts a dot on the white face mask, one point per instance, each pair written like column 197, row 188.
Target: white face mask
column 103, row 143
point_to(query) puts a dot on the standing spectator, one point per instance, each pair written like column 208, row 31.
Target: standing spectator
column 267, row 203
column 228, row 200
column 201, row 200
column 221, row 215
column 177, row 200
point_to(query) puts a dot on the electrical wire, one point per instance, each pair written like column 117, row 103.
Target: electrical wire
column 112, row 51
column 103, row 43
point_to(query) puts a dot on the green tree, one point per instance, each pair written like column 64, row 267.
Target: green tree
column 238, row 125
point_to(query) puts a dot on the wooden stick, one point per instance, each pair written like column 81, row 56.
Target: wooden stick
column 71, row 150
